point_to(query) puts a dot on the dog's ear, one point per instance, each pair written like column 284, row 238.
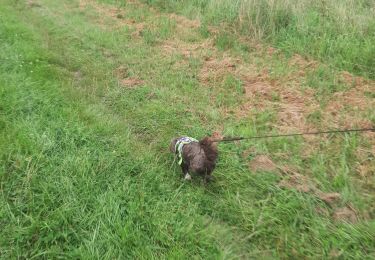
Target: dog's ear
column 172, row 145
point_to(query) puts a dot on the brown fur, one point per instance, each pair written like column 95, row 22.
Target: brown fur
column 198, row 157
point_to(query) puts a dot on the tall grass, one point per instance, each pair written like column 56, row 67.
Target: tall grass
column 341, row 33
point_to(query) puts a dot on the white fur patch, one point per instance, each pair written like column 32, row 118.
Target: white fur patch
column 187, row 177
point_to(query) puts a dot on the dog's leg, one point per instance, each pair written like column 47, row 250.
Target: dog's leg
column 185, row 172
column 207, row 178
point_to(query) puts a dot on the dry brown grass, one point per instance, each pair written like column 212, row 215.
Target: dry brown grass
column 262, row 163
column 186, row 49
column 112, row 18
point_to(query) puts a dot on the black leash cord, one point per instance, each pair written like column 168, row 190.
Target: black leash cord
column 231, row 139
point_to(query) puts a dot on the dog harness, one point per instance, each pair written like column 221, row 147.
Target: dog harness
column 180, row 144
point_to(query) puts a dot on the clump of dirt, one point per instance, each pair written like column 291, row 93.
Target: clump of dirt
column 346, row 214
column 186, row 49
column 356, row 105
column 298, row 182
column 257, row 89
column 351, row 80
column 348, row 78
column 355, row 97
column 214, row 69
column 125, row 80
column 353, row 101
column 293, row 109
column 366, row 162
column 138, row 28
column 366, row 169
column 300, row 62
column 262, row 163
column 329, row 198
column 291, row 116
column 340, row 214
column 131, row 82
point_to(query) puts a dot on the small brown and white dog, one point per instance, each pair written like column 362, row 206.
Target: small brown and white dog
column 196, row 156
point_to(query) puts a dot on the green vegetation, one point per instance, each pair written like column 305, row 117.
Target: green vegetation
column 341, row 33
column 91, row 92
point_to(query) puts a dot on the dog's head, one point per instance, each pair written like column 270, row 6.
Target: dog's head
column 172, row 145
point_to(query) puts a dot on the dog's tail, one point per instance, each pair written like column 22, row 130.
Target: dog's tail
column 210, row 148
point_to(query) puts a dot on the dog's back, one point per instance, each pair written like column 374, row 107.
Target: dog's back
column 201, row 157
column 195, row 156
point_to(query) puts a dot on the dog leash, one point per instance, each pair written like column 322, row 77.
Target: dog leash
column 232, row 139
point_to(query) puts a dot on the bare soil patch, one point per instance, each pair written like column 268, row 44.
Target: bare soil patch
column 301, row 63
column 116, row 15
column 214, row 69
column 258, row 89
column 329, row 198
column 131, row 82
column 366, row 162
column 186, row 49
column 125, row 80
column 298, row 182
column 346, row 214
column 350, row 109
column 292, row 105
column 355, row 98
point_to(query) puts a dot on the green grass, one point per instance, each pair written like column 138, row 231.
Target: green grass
column 84, row 167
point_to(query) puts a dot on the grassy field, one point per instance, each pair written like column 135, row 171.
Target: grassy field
column 91, row 92
column 341, row 33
